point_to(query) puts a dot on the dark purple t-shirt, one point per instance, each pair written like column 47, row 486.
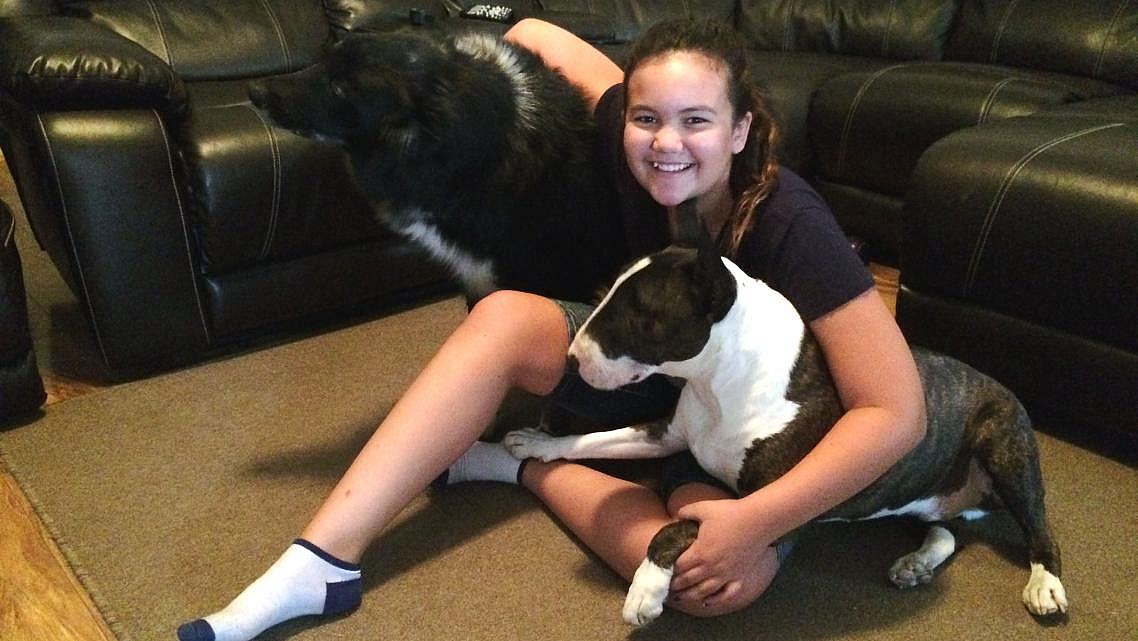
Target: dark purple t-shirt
column 795, row 245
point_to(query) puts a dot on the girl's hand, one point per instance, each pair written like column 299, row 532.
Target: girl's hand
column 729, row 564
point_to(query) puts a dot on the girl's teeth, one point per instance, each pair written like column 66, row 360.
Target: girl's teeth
column 670, row 166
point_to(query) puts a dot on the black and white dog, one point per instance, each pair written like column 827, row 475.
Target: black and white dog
column 759, row 396
column 470, row 146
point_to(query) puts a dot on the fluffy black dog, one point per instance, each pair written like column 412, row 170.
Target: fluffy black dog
column 470, row 146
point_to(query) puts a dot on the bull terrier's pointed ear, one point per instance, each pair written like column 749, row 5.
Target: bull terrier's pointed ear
column 687, row 228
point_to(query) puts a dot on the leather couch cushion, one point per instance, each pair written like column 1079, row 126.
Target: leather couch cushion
column 1032, row 218
column 260, row 193
column 871, row 127
column 790, row 80
column 1093, row 38
column 915, row 29
column 212, row 39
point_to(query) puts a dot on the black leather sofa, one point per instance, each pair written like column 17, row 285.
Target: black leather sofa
column 21, row 388
column 182, row 220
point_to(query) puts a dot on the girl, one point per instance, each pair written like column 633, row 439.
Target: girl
column 683, row 121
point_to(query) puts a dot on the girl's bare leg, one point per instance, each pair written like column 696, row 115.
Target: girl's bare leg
column 617, row 519
column 509, row 339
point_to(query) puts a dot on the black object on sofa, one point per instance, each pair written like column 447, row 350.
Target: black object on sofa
column 21, row 388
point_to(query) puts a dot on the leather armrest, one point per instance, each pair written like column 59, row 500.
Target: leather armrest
column 54, row 62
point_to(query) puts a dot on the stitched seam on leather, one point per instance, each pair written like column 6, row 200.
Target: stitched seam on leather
column 280, row 34
column 11, row 233
column 1002, row 192
column 71, row 239
column 1000, row 31
column 888, row 29
column 848, row 126
column 1106, row 38
column 161, row 33
column 786, row 34
column 990, row 99
column 185, row 224
column 274, row 211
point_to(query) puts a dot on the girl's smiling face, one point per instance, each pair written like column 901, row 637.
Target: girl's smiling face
column 680, row 131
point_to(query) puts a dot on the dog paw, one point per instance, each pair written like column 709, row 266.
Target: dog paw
column 1044, row 593
column 911, row 570
column 645, row 600
column 533, row 443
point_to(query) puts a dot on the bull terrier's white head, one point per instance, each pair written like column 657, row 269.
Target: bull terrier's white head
column 659, row 311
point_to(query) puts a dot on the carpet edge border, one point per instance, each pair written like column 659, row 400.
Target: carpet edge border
column 69, row 557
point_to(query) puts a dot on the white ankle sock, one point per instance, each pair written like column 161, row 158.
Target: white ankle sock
column 483, row 462
column 305, row 580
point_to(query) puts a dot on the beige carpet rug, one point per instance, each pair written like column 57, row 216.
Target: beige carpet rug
column 169, row 495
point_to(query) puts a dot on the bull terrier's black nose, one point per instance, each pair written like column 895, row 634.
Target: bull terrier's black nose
column 571, row 363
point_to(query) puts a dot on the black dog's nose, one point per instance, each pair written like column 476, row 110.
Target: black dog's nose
column 571, row 363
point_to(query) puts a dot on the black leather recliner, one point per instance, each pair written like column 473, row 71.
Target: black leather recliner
column 178, row 216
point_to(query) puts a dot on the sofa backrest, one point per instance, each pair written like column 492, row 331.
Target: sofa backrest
column 896, row 29
column 631, row 17
column 217, row 39
column 607, row 21
column 1093, row 38
column 382, row 15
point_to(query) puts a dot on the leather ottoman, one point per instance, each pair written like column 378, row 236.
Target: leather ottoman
column 1018, row 256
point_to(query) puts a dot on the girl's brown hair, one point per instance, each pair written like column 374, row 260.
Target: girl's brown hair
column 754, row 170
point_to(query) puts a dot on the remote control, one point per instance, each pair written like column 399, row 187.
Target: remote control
column 492, row 12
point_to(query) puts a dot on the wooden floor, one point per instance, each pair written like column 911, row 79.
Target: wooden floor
column 40, row 597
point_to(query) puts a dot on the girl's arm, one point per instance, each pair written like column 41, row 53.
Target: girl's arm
column 885, row 418
column 582, row 63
